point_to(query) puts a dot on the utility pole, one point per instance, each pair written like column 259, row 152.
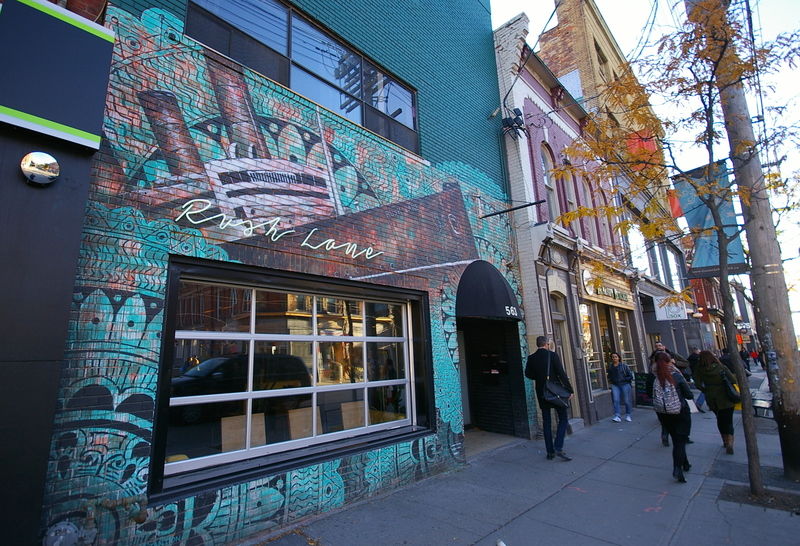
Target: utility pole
column 775, row 326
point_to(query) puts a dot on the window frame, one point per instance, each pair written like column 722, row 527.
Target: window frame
column 222, row 469
column 369, row 116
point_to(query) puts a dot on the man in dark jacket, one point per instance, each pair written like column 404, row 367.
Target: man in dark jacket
column 536, row 369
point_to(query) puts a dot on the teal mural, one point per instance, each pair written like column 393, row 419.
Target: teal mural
column 206, row 159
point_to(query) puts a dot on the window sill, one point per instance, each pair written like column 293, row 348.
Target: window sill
column 190, row 483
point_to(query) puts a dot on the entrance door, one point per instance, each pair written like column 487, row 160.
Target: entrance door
column 491, row 381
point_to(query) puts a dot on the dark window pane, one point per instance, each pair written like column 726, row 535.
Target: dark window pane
column 208, row 29
column 341, row 410
column 264, row 20
column 387, row 404
column 205, row 429
column 209, row 367
column 213, row 308
column 390, row 129
column 281, row 419
column 282, row 365
column 326, row 95
column 383, row 319
column 282, row 313
column 263, row 60
column 340, row 362
column 388, row 96
column 385, row 361
column 325, row 57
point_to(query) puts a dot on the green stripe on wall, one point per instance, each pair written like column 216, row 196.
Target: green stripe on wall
column 49, row 124
column 44, row 8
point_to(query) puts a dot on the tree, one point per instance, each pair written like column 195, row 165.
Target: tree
column 696, row 72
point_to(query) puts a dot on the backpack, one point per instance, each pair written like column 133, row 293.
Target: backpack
column 666, row 399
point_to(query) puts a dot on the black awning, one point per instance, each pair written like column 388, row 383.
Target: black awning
column 484, row 293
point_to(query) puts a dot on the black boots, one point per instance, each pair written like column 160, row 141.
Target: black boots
column 677, row 473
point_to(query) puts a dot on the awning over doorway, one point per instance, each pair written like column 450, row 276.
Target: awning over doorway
column 484, row 293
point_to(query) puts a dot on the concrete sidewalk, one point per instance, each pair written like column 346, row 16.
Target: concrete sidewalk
column 618, row 489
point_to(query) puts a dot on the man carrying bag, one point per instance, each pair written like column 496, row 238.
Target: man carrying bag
column 544, row 367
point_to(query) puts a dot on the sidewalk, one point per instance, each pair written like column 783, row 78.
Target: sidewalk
column 618, row 489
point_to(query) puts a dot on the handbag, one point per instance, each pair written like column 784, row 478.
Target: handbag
column 730, row 389
column 554, row 392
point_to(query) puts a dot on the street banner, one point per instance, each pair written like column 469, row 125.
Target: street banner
column 706, row 249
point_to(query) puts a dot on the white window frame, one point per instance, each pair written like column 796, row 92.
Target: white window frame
column 408, row 381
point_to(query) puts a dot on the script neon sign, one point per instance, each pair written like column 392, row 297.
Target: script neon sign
column 194, row 211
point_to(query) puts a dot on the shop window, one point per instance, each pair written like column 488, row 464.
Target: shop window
column 250, row 373
column 276, row 41
column 597, row 376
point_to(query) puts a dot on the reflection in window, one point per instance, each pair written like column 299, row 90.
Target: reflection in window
column 328, row 96
column 385, row 360
column 340, row 362
column 341, row 410
column 388, row 96
column 337, row 317
column 265, row 20
column 288, row 371
column 318, row 65
column 213, row 308
column 281, row 313
column 387, row 404
column 593, row 356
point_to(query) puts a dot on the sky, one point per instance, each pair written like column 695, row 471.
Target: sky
column 627, row 18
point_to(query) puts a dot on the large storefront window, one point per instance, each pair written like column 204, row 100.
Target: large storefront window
column 255, row 371
column 590, row 349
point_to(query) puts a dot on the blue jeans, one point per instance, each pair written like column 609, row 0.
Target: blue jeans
column 561, row 431
column 701, row 398
column 624, row 392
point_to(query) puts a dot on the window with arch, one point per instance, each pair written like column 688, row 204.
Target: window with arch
column 546, row 157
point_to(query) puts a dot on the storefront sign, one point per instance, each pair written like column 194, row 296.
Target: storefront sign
column 194, row 212
column 610, row 290
column 669, row 311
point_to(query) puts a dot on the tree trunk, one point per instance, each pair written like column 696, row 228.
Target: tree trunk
column 768, row 280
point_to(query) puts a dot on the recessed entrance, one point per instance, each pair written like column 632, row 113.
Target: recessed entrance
column 493, row 389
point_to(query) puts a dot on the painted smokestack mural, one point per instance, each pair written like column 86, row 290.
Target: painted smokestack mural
column 204, row 161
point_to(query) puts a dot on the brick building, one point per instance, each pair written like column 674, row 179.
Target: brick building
column 584, row 55
column 586, row 310
column 271, row 292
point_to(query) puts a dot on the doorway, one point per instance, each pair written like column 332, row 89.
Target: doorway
column 492, row 382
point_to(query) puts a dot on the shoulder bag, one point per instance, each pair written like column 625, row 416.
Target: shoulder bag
column 730, row 390
column 554, row 392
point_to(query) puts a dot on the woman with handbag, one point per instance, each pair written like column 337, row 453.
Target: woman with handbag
column 553, row 391
column 670, row 392
column 713, row 379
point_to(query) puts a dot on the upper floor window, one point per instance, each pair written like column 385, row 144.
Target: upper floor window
column 276, row 41
column 674, row 275
column 547, row 177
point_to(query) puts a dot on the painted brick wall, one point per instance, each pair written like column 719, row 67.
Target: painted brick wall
column 179, row 119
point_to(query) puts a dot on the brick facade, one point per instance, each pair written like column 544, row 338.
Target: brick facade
column 183, row 126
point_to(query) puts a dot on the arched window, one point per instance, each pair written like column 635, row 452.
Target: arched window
column 547, row 176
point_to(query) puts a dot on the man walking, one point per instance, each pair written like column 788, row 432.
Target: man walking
column 537, row 369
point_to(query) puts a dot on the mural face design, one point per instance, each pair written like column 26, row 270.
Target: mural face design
column 203, row 158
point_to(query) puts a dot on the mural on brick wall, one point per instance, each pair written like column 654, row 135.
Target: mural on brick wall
column 205, row 159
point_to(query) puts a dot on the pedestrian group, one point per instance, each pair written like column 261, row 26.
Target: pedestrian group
column 673, row 400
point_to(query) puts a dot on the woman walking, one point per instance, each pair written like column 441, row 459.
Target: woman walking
column 620, row 378
column 709, row 379
column 670, row 392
